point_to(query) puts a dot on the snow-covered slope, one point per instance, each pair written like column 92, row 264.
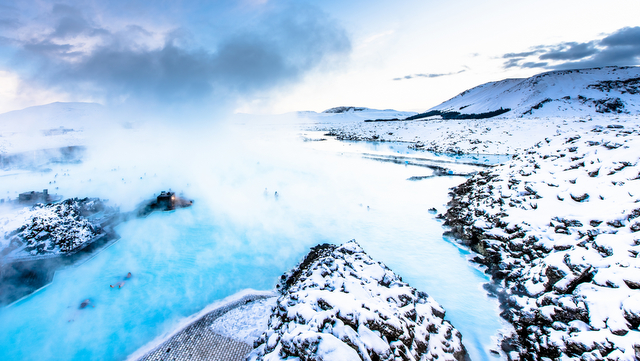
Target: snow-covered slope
column 48, row 126
column 570, row 92
column 339, row 304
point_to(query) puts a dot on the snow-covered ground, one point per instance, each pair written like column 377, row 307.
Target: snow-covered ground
column 477, row 136
column 541, row 106
column 247, row 322
column 10, row 220
column 339, row 304
column 557, row 228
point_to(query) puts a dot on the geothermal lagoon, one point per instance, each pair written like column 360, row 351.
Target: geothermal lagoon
column 239, row 234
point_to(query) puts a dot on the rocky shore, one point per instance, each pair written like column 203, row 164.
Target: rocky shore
column 339, row 304
column 557, row 229
column 475, row 136
column 36, row 241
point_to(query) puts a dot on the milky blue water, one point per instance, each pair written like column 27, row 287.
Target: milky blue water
column 238, row 235
column 401, row 148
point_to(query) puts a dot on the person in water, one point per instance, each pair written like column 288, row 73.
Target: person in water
column 121, row 283
column 86, row 303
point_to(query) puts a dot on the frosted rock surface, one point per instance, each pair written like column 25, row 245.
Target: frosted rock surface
column 339, row 304
column 557, row 228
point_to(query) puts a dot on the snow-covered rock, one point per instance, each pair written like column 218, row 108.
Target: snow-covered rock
column 580, row 92
column 55, row 228
column 339, row 304
column 558, row 229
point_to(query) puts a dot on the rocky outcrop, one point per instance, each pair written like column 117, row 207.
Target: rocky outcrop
column 339, row 304
column 557, row 229
column 60, row 227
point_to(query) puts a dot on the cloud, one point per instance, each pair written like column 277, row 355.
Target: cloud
column 520, row 55
column 406, row 77
column 531, row 64
column 79, row 55
column 570, row 51
column 512, row 63
column 623, row 37
column 619, row 48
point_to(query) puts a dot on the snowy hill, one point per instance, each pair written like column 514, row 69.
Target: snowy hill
column 349, row 114
column 72, row 115
column 570, row 92
column 48, row 126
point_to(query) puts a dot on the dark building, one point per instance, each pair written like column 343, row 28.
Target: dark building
column 166, row 200
column 37, row 197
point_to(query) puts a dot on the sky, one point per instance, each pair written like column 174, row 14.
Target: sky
column 276, row 56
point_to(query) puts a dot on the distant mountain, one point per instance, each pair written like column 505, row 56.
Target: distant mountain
column 346, row 114
column 566, row 92
column 53, row 115
column 49, row 126
column 344, row 110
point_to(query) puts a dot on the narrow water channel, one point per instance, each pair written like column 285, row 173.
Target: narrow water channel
column 238, row 235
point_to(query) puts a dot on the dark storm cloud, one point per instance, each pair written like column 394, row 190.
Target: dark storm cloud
column 619, row 48
column 623, row 37
column 406, row 77
column 570, row 51
column 283, row 44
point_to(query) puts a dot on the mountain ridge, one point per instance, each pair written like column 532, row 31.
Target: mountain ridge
column 577, row 92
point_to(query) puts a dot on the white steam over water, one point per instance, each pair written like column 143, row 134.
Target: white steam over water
column 237, row 235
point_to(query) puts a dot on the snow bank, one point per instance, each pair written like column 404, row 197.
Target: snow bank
column 557, row 228
column 339, row 304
